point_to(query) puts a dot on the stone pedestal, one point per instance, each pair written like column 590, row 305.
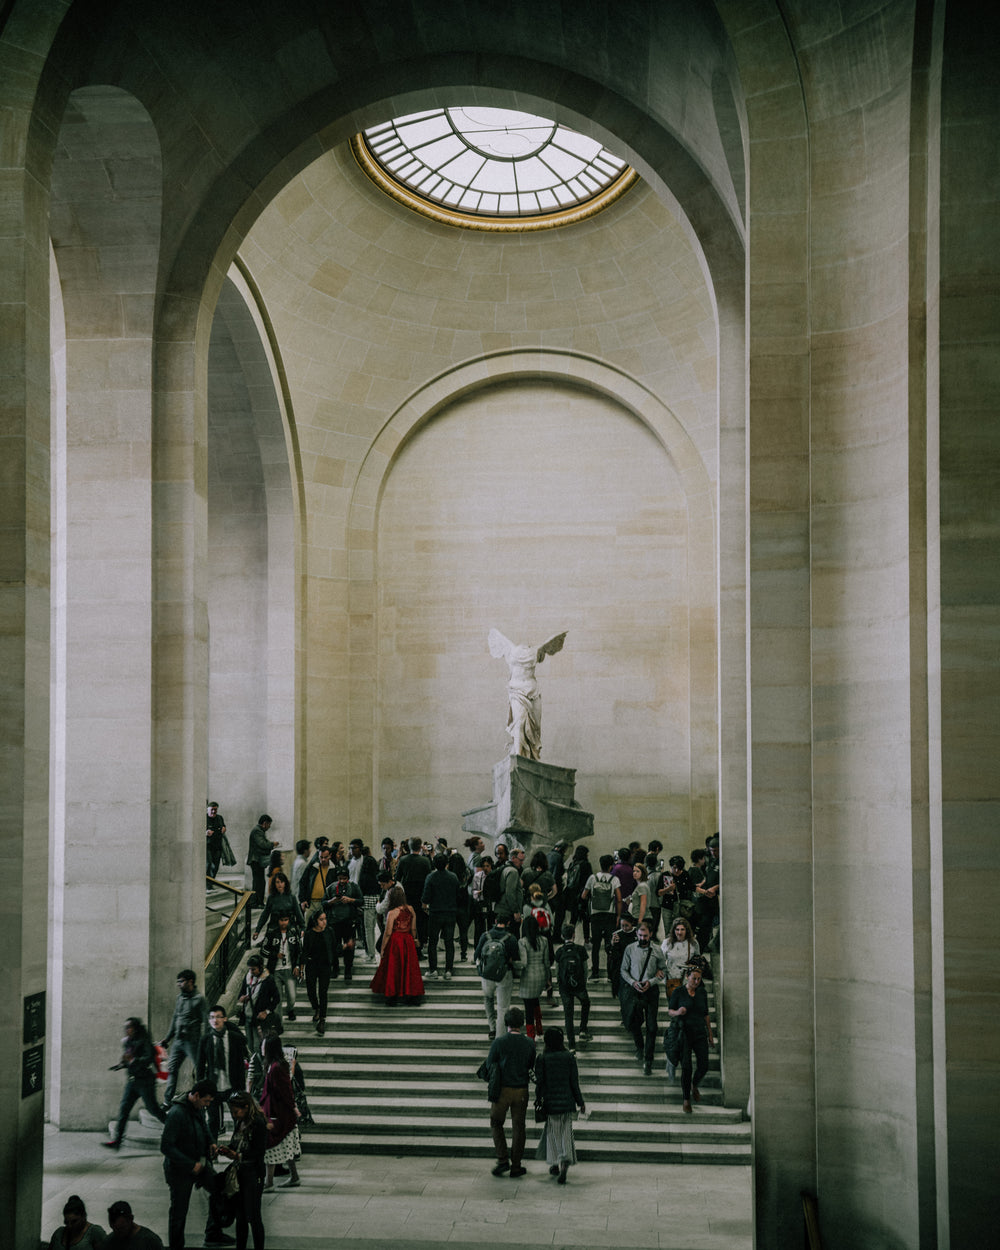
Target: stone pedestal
column 533, row 806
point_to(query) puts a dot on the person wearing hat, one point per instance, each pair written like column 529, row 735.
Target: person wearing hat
column 343, row 905
column 126, row 1234
column 259, row 996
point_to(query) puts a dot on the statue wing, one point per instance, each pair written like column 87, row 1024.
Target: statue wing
column 551, row 647
column 500, row 647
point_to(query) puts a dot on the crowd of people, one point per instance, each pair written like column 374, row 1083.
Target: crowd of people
column 336, row 904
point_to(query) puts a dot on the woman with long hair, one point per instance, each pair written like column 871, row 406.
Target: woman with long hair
column 536, row 973
column 689, row 1006
column 139, row 1061
column 678, row 947
column 557, row 1089
column 280, row 902
column 317, row 961
column 398, row 974
column 246, row 1149
column 639, row 898
column 278, row 1104
column 76, row 1230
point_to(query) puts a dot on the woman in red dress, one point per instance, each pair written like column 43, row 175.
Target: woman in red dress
column 398, row 974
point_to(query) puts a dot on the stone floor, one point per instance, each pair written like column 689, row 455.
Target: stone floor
column 357, row 1202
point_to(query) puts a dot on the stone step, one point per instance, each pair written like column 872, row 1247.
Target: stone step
column 638, row 1148
column 402, row 1080
column 604, row 1084
column 585, row 1132
column 433, row 1104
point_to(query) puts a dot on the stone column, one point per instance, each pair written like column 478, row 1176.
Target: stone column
column 24, row 611
column 101, row 892
column 965, row 999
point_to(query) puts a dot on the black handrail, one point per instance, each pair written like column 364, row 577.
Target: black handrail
column 232, row 942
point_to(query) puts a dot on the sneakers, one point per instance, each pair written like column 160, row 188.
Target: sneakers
column 491, row 1034
column 113, row 1144
column 502, row 1167
column 586, row 1035
column 447, row 976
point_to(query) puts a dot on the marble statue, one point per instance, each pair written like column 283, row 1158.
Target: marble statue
column 524, row 716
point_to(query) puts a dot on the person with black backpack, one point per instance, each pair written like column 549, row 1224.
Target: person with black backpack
column 604, row 894
column 577, row 875
column 571, row 972
column 496, row 955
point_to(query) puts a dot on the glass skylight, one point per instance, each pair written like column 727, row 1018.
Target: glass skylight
column 493, row 162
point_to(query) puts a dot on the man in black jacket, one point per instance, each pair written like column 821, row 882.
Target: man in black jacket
column 222, row 1058
column 313, row 886
column 509, row 1065
column 440, row 901
column 412, row 870
column 187, row 1150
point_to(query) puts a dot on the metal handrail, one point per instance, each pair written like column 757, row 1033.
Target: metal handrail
column 238, row 911
column 810, row 1209
column 224, row 885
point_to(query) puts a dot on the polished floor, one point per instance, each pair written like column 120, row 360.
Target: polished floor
column 354, row 1202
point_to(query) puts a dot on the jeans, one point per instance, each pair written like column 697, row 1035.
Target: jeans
column 179, row 1050
column 496, row 998
column 698, row 1049
column 318, row 987
column 568, row 999
column 137, row 1087
column 369, row 924
column 602, row 924
column 286, row 986
column 180, row 1184
column 441, row 925
column 516, row 1100
column 247, row 1202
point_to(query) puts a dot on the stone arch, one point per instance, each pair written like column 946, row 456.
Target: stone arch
column 593, row 376
column 255, row 534
column 105, row 219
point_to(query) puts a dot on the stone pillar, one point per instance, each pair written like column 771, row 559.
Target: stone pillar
column 101, row 891
column 24, row 611
column 965, row 1000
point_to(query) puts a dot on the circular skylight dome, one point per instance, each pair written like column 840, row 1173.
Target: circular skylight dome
column 495, row 164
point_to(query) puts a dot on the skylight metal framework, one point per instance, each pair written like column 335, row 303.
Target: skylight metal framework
column 478, row 162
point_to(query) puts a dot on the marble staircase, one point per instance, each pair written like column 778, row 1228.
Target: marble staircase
column 402, row 1081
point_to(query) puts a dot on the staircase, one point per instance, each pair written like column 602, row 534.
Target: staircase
column 402, row 1081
